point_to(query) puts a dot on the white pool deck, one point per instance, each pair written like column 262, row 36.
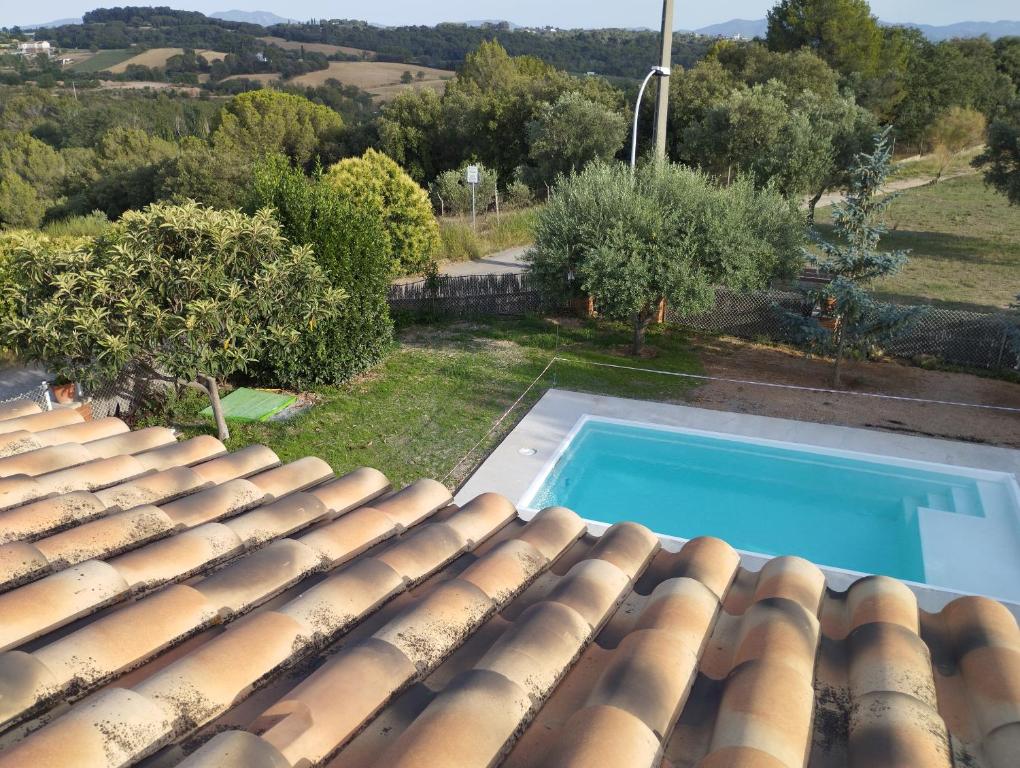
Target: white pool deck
column 963, row 554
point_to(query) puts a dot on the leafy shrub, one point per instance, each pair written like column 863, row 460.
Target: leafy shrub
column 412, row 229
column 451, row 194
column 519, row 195
column 190, row 293
column 351, row 244
column 669, row 233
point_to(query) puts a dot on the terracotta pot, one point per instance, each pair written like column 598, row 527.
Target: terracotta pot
column 584, row 306
column 63, row 393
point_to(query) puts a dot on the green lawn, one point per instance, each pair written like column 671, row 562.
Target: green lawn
column 443, row 386
column 104, row 60
column 965, row 246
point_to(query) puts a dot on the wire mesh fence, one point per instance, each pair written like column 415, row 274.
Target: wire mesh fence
column 971, row 339
column 40, row 395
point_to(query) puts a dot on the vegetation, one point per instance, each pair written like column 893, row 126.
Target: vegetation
column 965, row 246
column 410, row 228
column 851, row 322
column 459, row 241
column 1001, row 159
column 667, row 235
column 189, row 294
column 956, row 131
column 348, row 236
column 437, row 394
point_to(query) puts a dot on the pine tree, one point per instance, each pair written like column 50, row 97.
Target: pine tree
column 855, row 321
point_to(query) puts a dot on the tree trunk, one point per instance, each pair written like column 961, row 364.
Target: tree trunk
column 217, row 407
column 812, row 204
column 838, row 368
column 641, row 320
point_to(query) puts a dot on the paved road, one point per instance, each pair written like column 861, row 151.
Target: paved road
column 505, row 262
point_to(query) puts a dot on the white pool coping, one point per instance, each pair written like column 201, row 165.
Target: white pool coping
column 545, row 431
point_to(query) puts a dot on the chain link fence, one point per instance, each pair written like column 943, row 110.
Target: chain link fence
column 956, row 337
column 40, row 395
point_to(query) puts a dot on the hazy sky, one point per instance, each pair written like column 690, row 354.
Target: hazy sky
column 563, row 13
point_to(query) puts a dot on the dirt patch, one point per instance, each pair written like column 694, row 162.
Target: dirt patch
column 732, row 358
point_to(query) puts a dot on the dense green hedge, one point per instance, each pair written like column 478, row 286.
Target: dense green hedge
column 349, row 239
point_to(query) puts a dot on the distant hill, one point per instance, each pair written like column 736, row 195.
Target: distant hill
column 262, row 18
column 491, row 23
column 994, row 29
column 57, row 23
column 741, row 27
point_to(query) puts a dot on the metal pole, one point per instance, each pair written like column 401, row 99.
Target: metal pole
column 662, row 102
column 473, row 225
column 637, row 115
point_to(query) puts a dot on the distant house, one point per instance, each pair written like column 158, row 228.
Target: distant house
column 33, row 47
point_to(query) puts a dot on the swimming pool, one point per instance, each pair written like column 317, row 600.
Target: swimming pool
column 842, row 509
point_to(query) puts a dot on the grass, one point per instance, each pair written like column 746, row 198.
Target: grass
column 103, row 60
column 157, row 57
column 376, row 76
column 443, row 386
column 326, row 48
column 92, row 225
column 965, row 246
column 462, row 243
column 927, row 167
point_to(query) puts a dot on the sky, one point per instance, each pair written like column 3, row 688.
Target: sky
column 561, row 13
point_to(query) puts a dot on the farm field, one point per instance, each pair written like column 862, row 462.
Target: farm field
column 102, row 60
column 157, row 57
column 325, row 48
column 965, row 246
column 374, row 76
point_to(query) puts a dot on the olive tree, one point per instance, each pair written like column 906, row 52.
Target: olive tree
column 667, row 234
column 187, row 294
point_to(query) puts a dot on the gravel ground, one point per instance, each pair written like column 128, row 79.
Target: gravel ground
column 732, row 358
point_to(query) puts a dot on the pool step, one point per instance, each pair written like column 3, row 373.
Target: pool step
column 940, row 501
column 966, row 501
column 973, row 554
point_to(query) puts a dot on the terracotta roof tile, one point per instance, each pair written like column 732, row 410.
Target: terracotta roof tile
column 37, row 422
column 240, row 613
column 17, row 408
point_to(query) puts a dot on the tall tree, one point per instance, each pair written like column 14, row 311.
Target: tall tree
column 853, row 321
column 1001, row 158
column 567, row 135
column 843, row 32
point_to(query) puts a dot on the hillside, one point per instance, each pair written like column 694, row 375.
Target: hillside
column 993, row 29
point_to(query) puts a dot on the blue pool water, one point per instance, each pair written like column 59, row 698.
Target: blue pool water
column 850, row 513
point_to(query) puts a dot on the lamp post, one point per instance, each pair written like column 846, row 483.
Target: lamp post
column 655, row 72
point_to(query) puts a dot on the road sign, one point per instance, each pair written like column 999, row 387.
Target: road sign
column 472, row 174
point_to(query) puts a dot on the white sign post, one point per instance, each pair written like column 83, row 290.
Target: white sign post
column 472, row 179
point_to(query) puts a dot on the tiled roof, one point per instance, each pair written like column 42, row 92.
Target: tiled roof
column 166, row 602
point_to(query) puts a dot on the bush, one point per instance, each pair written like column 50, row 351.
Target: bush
column 412, row 229
column 349, row 238
column 188, row 293
column 451, row 194
column 669, row 233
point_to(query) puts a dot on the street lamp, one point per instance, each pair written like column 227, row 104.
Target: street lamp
column 655, row 72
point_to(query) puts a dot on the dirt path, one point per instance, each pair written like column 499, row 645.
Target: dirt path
column 732, row 358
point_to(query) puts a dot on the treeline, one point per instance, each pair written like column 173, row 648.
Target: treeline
column 107, row 28
column 608, row 52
